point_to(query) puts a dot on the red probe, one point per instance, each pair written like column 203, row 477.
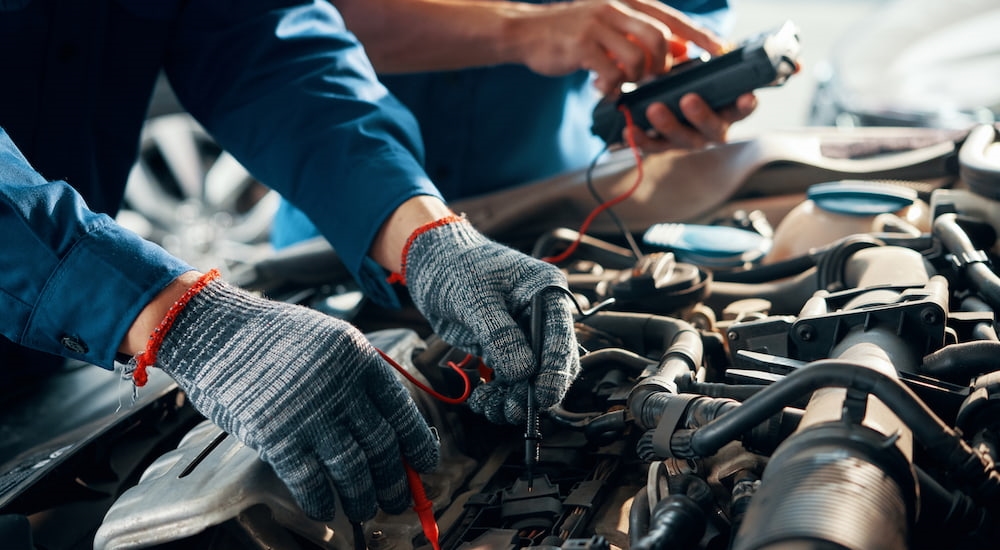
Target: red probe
column 423, row 506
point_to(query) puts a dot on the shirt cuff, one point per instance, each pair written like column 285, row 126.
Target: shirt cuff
column 95, row 293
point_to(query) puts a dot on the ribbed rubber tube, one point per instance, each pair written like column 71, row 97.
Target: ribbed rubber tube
column 821, row 495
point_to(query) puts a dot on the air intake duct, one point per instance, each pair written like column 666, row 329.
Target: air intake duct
column 835, row 486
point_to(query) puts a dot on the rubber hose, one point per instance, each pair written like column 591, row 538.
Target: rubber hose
column 766, row 273
column 984, row 330
column 618, row 356
column 786, row 296
column 638, row 517
column 941, row 442
column 825, row 373
column 830, row 267
column 739, row 392
column 945, row 511
column 960, row 362
column 956, row 241
column 606, row 427
column 678, row 524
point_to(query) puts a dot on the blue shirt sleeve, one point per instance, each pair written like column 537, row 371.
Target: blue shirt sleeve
column 71, row 281
column 290, row 93
column 486, row 129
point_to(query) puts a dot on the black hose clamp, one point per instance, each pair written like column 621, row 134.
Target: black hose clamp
column 963, row 259
column 671, row 417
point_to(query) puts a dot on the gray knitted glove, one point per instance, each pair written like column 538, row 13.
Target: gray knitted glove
column 474, row 291
column 305, row 390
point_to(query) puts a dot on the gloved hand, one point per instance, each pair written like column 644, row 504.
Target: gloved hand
column 474, row 291
column 305, row 390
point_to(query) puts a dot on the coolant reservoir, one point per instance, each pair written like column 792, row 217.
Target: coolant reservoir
column 837, row 209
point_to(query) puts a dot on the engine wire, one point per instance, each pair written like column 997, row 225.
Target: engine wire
column 422, row 505
column 636, row 251
column 430, row 391
column 631, row 127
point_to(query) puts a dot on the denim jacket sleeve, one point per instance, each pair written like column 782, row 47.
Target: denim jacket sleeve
column 286, row 89
column 71, row 281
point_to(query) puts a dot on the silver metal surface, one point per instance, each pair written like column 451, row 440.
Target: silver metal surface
column 197, row 486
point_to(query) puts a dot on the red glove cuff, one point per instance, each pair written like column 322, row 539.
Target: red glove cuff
column 401, row 276
column 147, row 357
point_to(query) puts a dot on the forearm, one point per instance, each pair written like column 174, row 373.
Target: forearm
column 619, row 40
column 387, row 249
column 154, row 312
column 450, row 34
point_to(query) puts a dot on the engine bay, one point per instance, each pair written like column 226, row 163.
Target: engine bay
column 808, row 363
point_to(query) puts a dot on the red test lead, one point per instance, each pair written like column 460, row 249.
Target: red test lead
column 422, row 506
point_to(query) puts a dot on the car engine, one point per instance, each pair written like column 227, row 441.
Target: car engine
column 809, row 362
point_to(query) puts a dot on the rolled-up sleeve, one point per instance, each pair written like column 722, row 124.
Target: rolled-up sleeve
column 286, row 89
column 71, row 281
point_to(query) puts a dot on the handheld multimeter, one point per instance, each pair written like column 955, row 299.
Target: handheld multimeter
column 764, row 60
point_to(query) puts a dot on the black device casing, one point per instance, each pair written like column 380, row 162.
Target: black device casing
column 765, row 60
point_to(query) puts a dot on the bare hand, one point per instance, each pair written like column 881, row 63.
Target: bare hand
column 705, row 125
column 620, row 40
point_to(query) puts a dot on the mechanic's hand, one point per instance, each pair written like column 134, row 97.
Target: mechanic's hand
column 305, row 390
column 474, row 291
column 705, row 125
column 620, row 40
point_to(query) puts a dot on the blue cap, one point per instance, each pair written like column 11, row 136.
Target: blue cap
column 861, row 198
column 709, row 245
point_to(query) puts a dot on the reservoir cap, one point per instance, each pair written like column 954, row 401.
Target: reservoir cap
column 709, row 245
column 861, row 198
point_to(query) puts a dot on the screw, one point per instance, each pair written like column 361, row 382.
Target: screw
column 929, row 316
column 733, row 335
column 805, row 332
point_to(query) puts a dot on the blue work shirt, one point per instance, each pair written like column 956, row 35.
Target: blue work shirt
column 492, row 128
column 280, row 84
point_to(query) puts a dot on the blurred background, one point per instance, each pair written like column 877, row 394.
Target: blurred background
column 821, row 22
column 885, row 62
column 912, row 63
